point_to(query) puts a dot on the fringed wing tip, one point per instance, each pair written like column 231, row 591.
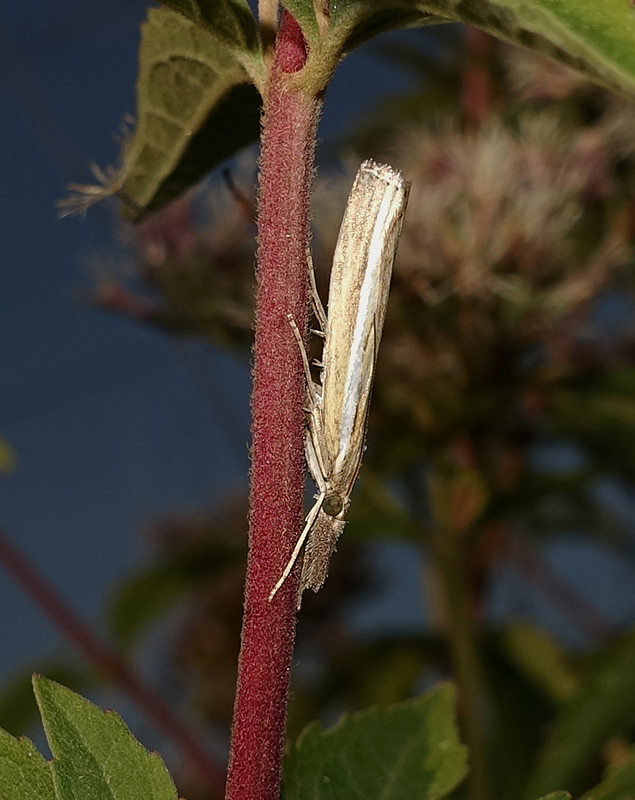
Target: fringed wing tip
column 320, row 546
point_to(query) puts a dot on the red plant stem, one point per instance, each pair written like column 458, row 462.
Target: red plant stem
column 109, row 663
column 476, row 89
column 286, row 167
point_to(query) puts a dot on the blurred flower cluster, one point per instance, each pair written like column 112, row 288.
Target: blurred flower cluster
column 196, row 278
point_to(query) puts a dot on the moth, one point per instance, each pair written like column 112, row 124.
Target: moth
column 338, row 405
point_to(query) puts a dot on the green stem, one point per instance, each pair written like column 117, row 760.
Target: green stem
column 466, row 662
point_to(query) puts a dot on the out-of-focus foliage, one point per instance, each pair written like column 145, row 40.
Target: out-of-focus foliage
column 518, row 238
column 604, row 706
column 7, row 457
column 195, row 551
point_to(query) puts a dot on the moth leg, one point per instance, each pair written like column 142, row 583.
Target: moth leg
column 318, row 308
column 314, row 457
column 311, row 517
column 313, row 454
column 305, row 361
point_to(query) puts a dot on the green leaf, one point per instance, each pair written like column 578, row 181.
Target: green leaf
column 141, row 599
column 95, row 755
column 232, row 24
column 354, row 21
column 542, row 660
column 350, row 23
column 593, row 36
column 7, row 457
column 194, row 110
column 24, row 773
column 600, row 710
column 603, row 421
column 386, row 672
column 303, row 12
column 517, row 716
column 618, row 783
column 363, row 19
column 144, row 595
column 410, row 750
column 18, row 709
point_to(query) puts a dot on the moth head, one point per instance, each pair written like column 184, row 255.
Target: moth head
column 333, row 505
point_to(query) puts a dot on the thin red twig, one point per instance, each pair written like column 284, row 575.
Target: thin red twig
column 109, row 663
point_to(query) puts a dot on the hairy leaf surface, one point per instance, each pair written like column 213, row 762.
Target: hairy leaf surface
column 194, row 110
column 95, row 755
column 24, row 774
